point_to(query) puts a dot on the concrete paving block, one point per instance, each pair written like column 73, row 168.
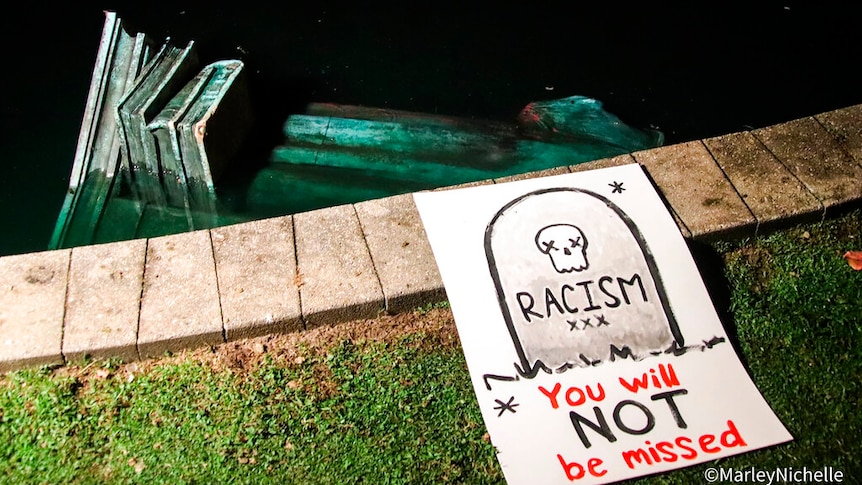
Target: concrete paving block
column 179, row 302
column 103, row 301
column 466, row 185
column 256, row 269
column 774, row 195
column 337, row 278
column 697, row 190
column 401, row 252
column 816, row 158
column 532, row 175
column 603, row 163
column 846, row 125
column 32, row 300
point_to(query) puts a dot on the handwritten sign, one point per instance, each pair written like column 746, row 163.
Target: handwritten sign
column 594, row 349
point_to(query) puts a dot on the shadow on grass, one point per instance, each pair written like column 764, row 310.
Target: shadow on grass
column 713, row 272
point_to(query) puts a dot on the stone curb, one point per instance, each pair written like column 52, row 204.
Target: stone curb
column 144, row 298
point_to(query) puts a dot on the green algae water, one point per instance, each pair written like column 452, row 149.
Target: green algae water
column 345, row 154
column 159, row 130
column 691, row 72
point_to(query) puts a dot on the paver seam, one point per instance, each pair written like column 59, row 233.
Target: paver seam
column 837, row 137
column 257, row 278
column 819, row 157
column 141, row 300
column 179, row 296
column 364, row 233
column 104, row 282
column 757, row 221
column 297, row 275
column 218, row 287
column 794, row 211
column 327, row 243
column 66, row 307
column 793, row 172
column 403, row 288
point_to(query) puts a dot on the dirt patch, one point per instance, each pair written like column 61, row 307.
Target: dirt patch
column 40, row 275
column 758, row 261
column 433, row 329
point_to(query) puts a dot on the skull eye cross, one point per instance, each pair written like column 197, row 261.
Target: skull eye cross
column 571, row 255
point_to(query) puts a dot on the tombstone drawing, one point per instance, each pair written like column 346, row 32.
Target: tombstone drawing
column 576, row 282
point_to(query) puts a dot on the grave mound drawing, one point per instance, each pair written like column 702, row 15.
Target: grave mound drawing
column 576, row 282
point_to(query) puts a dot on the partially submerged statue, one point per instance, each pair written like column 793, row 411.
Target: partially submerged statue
column 159, row 130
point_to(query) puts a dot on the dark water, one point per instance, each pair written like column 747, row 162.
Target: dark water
column 693, row 72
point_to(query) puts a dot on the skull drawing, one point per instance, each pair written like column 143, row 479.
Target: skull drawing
column 566, row 245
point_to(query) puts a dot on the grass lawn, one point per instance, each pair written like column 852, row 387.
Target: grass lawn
column 389, row 400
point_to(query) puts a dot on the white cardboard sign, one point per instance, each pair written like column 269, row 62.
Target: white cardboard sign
column 594, row 349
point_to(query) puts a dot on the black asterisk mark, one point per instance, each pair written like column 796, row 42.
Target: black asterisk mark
column 617, row 187
column 506, row 406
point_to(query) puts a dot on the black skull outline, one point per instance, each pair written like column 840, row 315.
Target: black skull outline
column 566, row 245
